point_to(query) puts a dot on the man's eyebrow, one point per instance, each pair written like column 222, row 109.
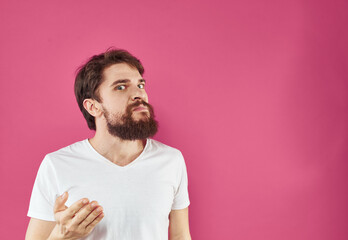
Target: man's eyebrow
column 125, row 81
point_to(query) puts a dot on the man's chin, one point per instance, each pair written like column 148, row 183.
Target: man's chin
column 140, row 115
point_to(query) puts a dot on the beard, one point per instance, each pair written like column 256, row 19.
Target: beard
column 126, row 128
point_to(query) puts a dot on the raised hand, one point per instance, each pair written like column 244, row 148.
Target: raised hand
column 76, row 221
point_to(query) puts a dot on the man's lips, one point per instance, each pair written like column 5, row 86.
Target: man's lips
column 140, row 108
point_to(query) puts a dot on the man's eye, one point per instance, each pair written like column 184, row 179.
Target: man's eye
column 121, row 87
column 141, row 85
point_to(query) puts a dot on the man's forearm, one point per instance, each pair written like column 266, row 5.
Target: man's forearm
column 54, row 235
column 186, row 237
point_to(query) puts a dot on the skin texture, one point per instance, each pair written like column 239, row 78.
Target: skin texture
column 115, row 99
column 179, row 225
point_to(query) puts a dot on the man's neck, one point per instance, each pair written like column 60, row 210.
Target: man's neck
column 118, row 151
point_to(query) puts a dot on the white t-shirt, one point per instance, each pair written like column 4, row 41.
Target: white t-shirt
column 136, row 198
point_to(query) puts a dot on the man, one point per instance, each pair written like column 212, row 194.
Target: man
column 120, row 184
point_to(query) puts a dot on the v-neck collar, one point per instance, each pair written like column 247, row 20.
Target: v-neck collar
column 101, row 157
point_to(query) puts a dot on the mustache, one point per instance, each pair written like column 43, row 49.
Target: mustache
column 138, row 103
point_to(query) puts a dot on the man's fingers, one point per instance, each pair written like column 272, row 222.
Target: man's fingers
column 84, row 212
column 59, row 204
column 73, row 209
column 90, row 226
column 92, row 214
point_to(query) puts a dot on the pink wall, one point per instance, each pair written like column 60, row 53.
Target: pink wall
column 253, row 92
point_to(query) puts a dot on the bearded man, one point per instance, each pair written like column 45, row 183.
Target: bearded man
column 120, row 184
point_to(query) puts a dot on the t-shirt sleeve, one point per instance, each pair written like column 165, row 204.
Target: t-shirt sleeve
column 181, row 196
column 44, row 192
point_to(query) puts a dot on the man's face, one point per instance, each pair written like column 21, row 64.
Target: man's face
column 126, row 110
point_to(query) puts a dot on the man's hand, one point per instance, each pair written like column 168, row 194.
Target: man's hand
column 76, row 221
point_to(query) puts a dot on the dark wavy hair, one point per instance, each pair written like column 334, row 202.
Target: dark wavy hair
column 90, row 75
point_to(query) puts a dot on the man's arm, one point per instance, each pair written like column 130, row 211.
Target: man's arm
column 39, row 229
column 179, row 225
column 72, row 222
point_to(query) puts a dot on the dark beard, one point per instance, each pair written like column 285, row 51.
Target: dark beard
column 128, row 129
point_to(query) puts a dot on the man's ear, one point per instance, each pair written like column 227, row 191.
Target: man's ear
column 92, row 106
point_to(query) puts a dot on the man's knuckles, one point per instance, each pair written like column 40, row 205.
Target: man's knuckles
column 80, row 217
column 95, row 213
column 70, row 229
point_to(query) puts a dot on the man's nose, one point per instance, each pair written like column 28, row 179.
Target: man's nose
column 138, row 93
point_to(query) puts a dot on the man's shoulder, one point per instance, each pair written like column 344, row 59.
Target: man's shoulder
column 157, row 145
column 74, row 149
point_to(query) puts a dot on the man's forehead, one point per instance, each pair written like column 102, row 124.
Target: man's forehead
column 120, row 70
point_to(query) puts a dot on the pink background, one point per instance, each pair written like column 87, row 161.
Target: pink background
column 254, row 93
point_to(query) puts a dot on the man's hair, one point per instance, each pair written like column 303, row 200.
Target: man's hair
column 90, row 75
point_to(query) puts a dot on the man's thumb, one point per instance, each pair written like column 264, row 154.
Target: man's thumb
column 59, row 205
